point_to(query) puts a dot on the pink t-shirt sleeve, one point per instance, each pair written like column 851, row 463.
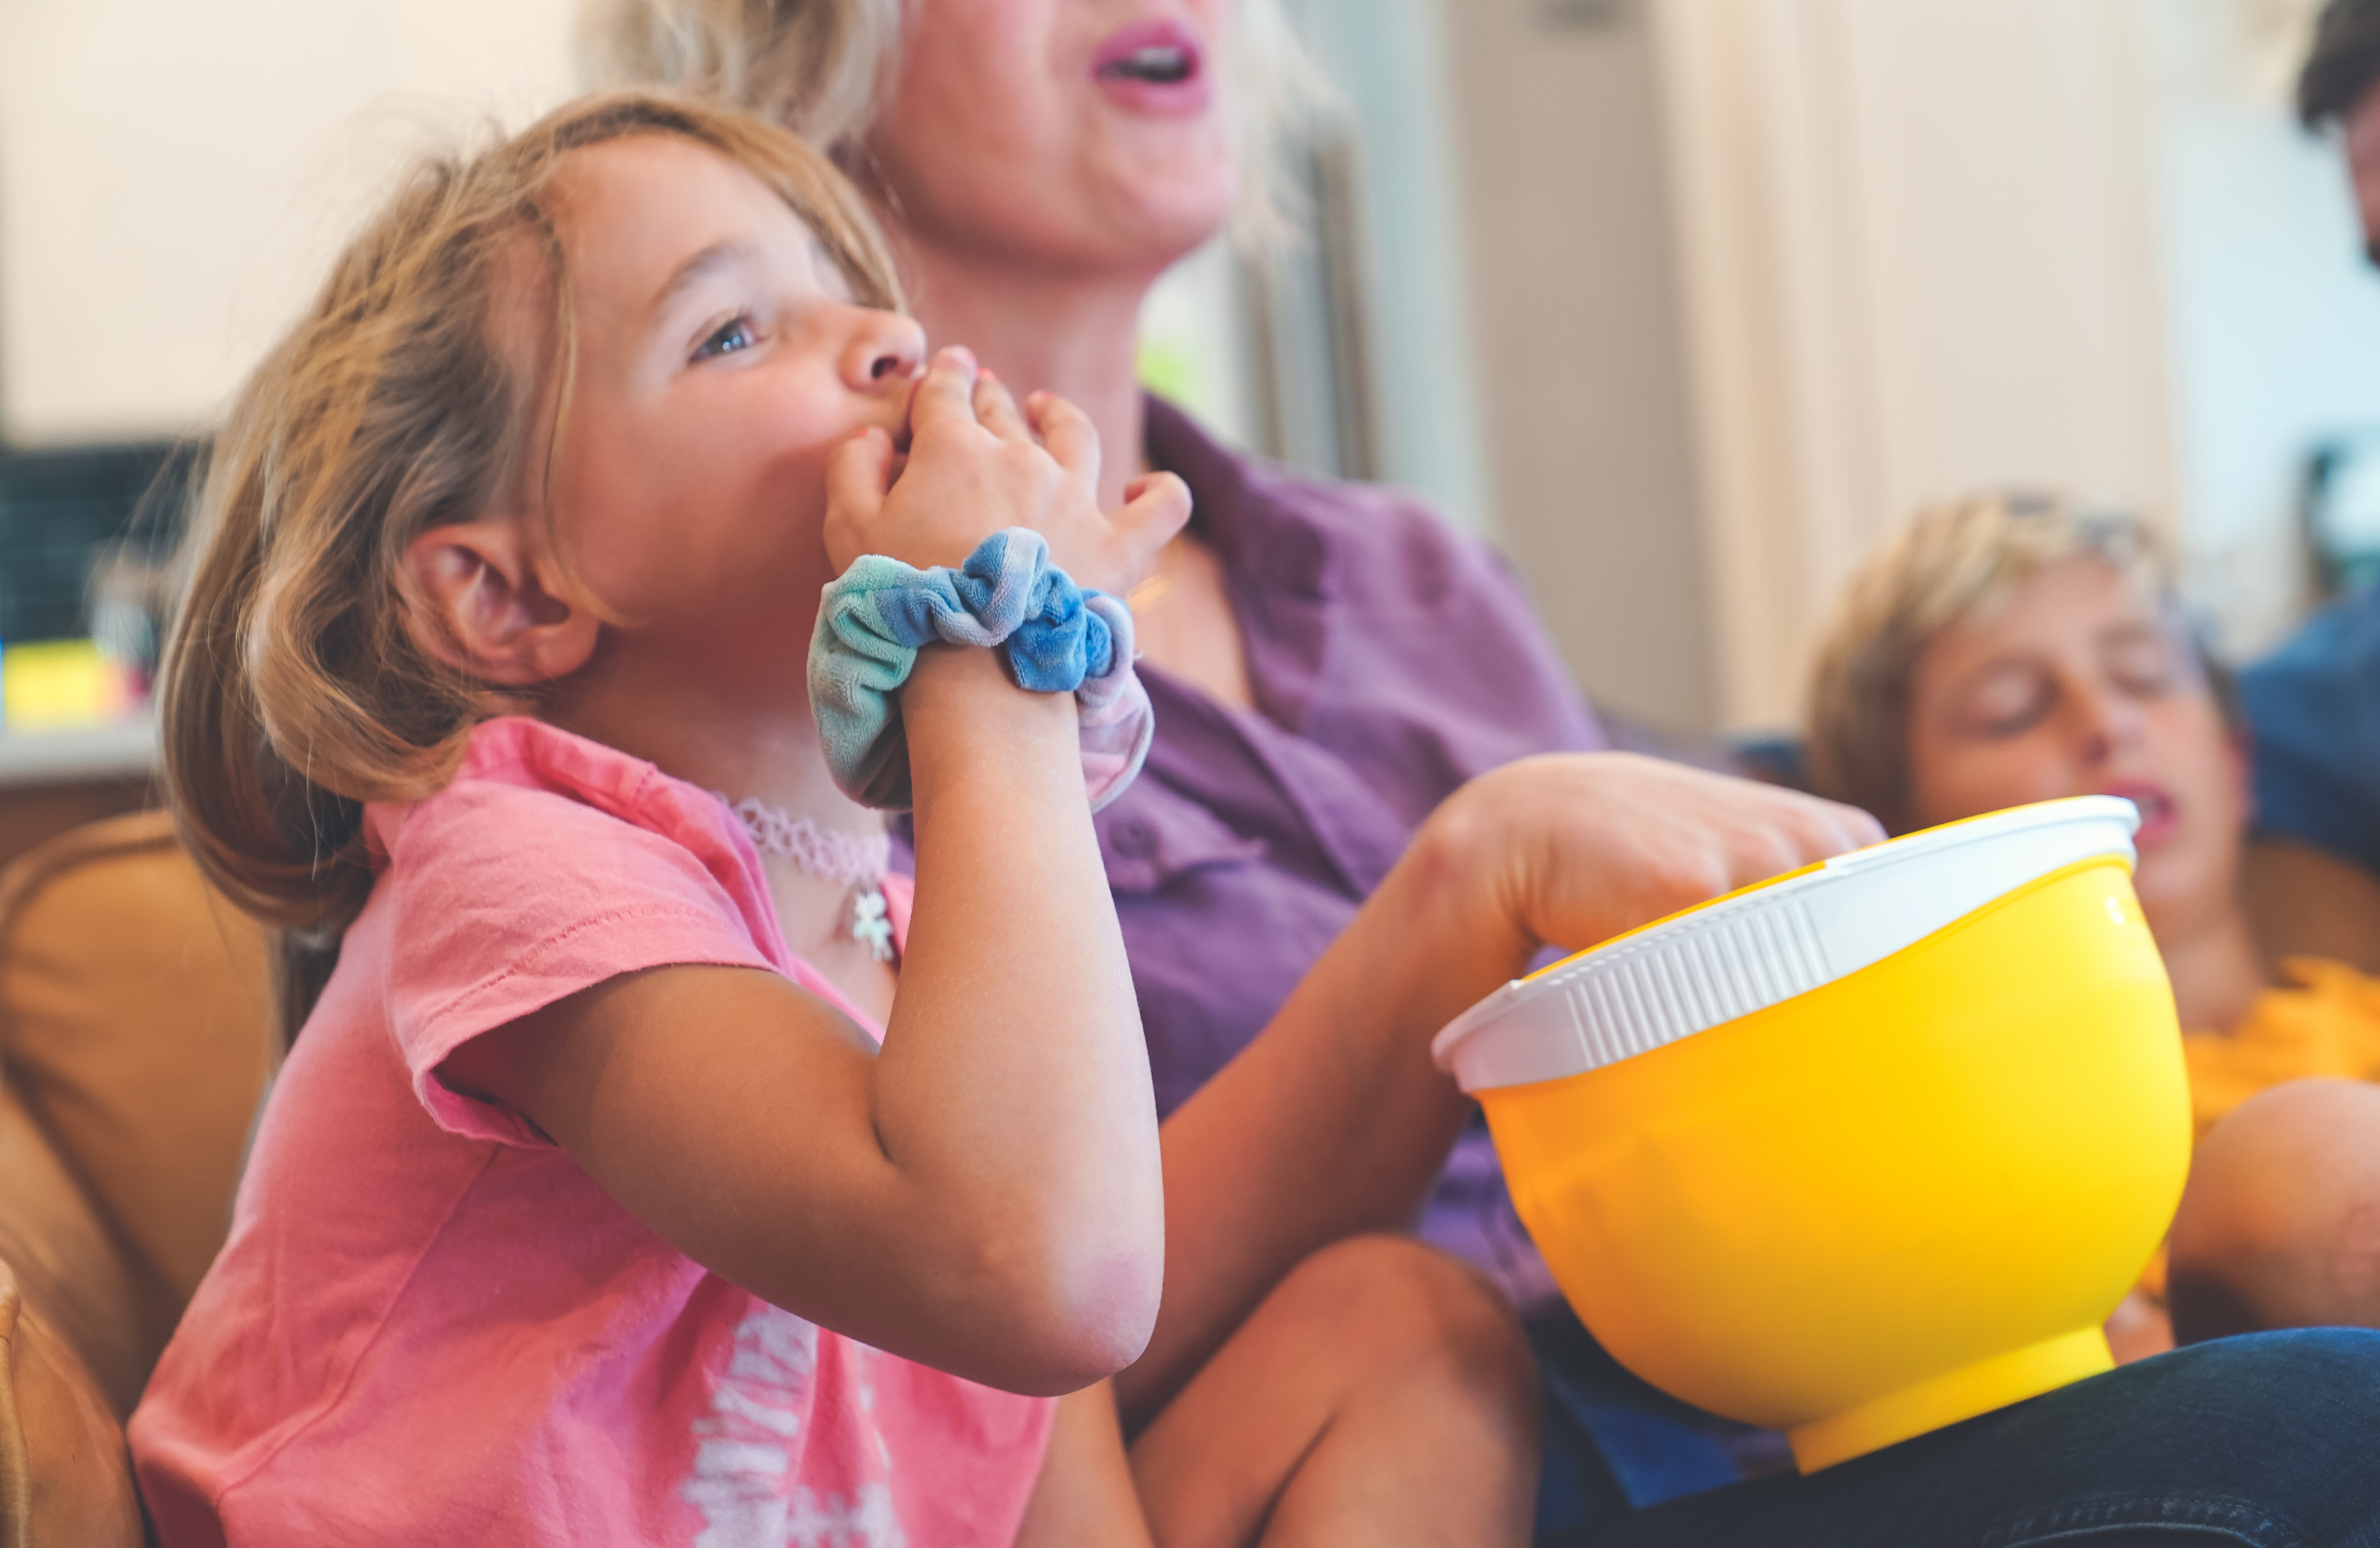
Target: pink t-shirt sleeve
column 508, row 897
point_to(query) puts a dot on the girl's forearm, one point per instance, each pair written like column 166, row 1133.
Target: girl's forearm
column 1013, row 1081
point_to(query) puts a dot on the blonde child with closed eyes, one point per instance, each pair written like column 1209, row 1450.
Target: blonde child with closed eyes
column 2006, row 649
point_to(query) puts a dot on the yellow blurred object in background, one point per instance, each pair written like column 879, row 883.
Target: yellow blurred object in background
column 61, row 685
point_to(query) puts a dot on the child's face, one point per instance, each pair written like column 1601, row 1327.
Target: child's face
column 720, row 361
column 2072, row 684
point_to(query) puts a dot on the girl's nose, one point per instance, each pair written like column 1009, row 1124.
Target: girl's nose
column 884, row 351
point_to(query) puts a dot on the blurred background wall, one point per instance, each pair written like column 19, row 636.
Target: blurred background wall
column 1682, row 303
column 174, row 177
column 2071, row 242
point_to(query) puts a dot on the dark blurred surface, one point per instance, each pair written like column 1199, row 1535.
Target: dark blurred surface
column 62, row 511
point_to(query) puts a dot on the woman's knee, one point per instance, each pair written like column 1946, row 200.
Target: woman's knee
column 1392, row 1304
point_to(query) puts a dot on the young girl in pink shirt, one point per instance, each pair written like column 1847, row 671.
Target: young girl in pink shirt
column 589, row 1209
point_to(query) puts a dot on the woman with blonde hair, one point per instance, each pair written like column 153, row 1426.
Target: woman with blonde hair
column 1329, row 664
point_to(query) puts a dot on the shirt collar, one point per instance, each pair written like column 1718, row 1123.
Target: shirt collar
column 1247, row 509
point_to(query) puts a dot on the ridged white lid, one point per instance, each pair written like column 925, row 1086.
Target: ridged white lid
column 1752, row 949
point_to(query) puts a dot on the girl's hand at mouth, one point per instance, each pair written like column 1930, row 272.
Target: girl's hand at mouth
column 977, row 464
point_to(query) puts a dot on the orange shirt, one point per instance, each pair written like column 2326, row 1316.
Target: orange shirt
column 2327, row 1023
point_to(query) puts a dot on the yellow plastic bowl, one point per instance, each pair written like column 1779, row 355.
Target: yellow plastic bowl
column 1797, row 1171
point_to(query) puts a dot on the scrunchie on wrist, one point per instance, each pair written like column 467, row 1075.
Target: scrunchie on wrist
column 1057, row 638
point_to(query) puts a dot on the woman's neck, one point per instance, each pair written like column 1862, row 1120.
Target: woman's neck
column 2215, row 968
column 1073, row 335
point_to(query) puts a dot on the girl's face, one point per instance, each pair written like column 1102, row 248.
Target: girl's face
column 1070, row 135
column 720, row 361
column 2073, row 685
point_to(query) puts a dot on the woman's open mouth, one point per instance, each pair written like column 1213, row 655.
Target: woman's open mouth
column 1154, row 66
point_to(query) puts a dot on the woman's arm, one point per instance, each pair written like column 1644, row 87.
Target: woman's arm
column 1334, row 1120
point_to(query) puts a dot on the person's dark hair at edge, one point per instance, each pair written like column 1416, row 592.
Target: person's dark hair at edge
column 2343, row 62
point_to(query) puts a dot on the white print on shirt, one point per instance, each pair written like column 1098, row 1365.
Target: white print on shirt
column 743, row 1448
column 867, row 1522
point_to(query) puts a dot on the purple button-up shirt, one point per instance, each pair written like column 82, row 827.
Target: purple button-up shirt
column 1391, row 659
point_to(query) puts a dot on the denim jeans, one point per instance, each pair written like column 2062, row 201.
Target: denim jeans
column 1614, row 1443
column 2271, row 1440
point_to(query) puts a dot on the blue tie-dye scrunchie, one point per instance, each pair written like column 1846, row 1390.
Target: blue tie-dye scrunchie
column 1058, row 639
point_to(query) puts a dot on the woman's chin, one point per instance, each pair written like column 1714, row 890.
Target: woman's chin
column 1145, row 236
column 1171, row 214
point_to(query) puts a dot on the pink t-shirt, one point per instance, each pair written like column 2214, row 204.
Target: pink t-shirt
column 430, row 1326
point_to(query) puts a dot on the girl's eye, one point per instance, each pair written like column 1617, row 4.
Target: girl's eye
column 735, row 334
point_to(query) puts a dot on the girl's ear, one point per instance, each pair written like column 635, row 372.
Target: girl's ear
column 487, row 603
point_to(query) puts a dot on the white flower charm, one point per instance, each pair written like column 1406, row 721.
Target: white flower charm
column 870, row 923
column 856, row 860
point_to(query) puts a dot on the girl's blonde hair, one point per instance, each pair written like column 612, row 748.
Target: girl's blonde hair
column 822, row 68
column 292, row 691
column 1949, row 565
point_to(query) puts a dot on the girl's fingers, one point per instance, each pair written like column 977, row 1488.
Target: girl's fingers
column 1068, row 434
column 1155, row 508
column 997, row 410
column 943, row 397
column 858, row 473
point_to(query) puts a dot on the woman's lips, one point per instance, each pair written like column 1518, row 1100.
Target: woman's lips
column 2159, row 815
column 1154, row 66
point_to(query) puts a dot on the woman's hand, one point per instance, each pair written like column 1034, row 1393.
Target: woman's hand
column 1334, row 1120
column 1573, row 849
column 977, row 465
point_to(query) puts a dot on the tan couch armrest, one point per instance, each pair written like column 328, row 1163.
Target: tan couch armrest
column 64, row 1477
column 136, row 1028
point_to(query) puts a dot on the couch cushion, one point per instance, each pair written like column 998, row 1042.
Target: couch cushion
column 2303, row 902
column 64, row 1474
column 136, row 1027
